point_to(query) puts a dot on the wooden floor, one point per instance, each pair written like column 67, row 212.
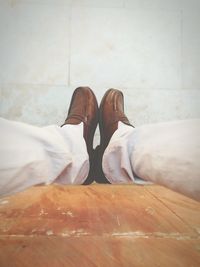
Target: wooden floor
column 99, row 225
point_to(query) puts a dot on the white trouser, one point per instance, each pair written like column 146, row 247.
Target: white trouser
column 167, row 154
column 32, row 155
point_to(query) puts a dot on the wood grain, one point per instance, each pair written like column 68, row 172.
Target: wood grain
column 99, row 225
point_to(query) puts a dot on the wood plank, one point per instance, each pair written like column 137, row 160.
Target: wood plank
column 82, row 251
column 96, row 209
column 184, row 207
column 99, row 225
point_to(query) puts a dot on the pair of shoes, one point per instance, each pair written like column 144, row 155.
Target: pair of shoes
column 84, row 108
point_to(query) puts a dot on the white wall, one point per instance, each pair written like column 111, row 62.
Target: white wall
column 147, row 48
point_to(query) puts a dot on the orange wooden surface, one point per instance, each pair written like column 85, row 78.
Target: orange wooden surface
column 99, row 225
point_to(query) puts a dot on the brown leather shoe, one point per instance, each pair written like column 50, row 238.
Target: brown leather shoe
column 84, row 108
column 111, row 111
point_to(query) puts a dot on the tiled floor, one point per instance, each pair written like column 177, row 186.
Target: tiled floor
column 99, row 225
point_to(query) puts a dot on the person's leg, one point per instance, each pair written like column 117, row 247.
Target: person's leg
column 170, row 155
column 32, row 155
column 84, row 108
column 167, row 154
column 111, row 111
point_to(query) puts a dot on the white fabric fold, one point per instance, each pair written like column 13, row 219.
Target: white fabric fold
column 165, row 153
column 33, row 155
